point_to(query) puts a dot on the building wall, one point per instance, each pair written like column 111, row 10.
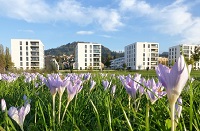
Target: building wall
column 141, row 55
column 117, row 63
column 27, row 53
column 186, row 49
column 88, row 56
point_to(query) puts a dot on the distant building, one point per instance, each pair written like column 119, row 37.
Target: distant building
column 117, row 63
column 163, row 60
column 87, row 56
column 27, row 53
column 141, row 55
column 186, row 50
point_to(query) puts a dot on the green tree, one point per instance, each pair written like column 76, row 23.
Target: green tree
column 2, row 59
column 196, row 54
column 8, row 62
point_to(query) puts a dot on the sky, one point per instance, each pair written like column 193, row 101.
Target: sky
column 112, row 23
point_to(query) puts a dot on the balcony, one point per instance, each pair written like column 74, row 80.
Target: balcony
column 33, row 64
column 96, row 51
column 96, row 55
column 154, row 50
column 35, row 59
column 34, row 44
column 34, row 54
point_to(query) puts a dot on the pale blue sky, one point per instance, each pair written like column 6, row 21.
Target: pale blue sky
column 112, row 23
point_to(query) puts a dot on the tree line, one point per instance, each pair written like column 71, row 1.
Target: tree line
column 5, row 59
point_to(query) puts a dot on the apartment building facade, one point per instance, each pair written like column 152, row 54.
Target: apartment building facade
column 185, row 49
column 27, row 53
column 87, row 56
column 117, row 63
column 141, row 55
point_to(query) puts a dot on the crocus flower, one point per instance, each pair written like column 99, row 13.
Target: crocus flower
column 154, row 90
column 178, row 108
column 106, row 84
column 92, row 84
column 113, row 90
column 174, row 80
column 19, row 115
column 26, row 100
column 72, row 90
column 3, row 105
column 132, row 85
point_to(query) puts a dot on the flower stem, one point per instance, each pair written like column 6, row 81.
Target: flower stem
column 54, row 96
column 60, row 100
column 172, row 107
column 21, row 127
column 65, row 111
column 147, row 116
column 191, row 106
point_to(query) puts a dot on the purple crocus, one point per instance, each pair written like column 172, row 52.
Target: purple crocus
column 92, row 84
column 174, row 80
column 106, row 84
column 178, row 108
column 19, row 115
column 154, row 90
column 113, row 90
column 72, row 89
column 3, row 105
column 132, row 85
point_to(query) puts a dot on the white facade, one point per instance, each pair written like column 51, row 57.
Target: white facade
column 27, row 53
column 186, row 49
column 87, row 56
column 117, row 63
column 141, row 55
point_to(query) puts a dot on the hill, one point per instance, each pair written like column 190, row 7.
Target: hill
column 68, row 49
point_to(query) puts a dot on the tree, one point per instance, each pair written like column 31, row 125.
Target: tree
column 2, row 59
column 8, row 63
column 124, row 66
column 196, row 54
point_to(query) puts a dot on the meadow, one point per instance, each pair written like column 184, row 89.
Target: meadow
column 95, row 107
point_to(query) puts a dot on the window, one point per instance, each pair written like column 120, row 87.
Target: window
column 85, row 55
column 85, row 64
column 26, row 47
column 90, row 55
column 27, row 64
column 26, row 42
column 90, row 51
column 20, row 53
column 20, row 42
column 143, row 45
column 148, row 45
column 20, row 47
column 26, row 58
column 85, row 59
column 85, row 51
column 21, row 64
column 85, row 46
column 20, row 58
column 26, row 53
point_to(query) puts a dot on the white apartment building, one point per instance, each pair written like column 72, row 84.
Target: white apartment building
column 117, row 63
column 27, row 53
column 185, row 49
column 87, row 56
column 141, row 55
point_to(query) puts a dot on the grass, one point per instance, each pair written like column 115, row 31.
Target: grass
column 98, row 109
